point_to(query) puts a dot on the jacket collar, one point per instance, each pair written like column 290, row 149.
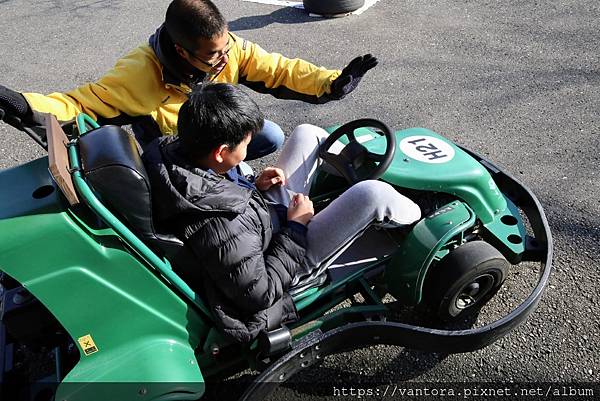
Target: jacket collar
column 176, row 71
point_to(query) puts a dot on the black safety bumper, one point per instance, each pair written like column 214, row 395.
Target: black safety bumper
column 318, row 344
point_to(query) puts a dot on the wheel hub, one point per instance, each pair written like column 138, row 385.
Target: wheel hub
column 474, row 291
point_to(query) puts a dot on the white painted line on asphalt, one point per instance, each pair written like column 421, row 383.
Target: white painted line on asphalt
column 298, row 4
column 368, row 4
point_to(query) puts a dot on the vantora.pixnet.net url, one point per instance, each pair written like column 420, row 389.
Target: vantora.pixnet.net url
column 483, row 391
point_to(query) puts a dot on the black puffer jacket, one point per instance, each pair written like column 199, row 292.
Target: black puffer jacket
column 243, row 269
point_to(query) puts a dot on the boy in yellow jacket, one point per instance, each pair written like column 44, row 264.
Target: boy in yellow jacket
column 147, row 87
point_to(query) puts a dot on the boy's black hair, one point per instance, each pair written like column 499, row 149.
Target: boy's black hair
column 216, row 114
column 189, row 20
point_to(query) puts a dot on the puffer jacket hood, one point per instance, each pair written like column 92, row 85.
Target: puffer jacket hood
column 187, row 184
column 243, row 270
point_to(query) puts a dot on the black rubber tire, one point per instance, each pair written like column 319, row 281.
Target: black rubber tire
column 332, row 7
column 475, row 267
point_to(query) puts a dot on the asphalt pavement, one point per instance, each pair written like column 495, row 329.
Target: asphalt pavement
column 516, row 81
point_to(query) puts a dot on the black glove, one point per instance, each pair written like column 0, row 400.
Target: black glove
column 351, row 76
column 14, row 104
column 15, row 111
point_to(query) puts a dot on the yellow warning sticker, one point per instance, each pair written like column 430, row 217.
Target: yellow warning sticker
column 87, row 345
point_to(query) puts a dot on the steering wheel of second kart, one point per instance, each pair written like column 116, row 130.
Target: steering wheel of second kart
column 354, row 154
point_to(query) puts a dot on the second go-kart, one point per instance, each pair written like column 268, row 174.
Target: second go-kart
column 92, row 294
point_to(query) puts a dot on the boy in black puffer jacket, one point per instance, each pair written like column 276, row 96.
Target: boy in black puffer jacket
column 253, row 239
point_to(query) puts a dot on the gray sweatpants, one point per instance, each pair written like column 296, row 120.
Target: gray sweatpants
column 334, row 228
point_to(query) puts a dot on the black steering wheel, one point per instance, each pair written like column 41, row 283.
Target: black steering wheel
column 355, row 155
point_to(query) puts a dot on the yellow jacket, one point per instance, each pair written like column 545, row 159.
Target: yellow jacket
column 139, row 85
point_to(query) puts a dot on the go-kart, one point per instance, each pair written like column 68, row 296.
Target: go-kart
column 95, row 306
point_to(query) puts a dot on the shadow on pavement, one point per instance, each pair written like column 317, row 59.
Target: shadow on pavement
column 286, row 15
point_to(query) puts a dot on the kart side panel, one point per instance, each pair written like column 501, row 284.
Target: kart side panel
column 95, row 287
column 408, row 267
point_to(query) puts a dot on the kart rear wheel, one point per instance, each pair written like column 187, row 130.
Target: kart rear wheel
column 465, row 280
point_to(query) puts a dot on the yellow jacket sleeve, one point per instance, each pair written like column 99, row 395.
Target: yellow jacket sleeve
column 132, row 87
column 280, row 76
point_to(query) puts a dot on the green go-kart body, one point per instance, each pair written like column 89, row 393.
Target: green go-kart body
column 120, row 323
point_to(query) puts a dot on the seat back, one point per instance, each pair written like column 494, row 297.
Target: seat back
column 113, row 168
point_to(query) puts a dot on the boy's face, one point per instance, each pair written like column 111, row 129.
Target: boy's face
column 228, row 158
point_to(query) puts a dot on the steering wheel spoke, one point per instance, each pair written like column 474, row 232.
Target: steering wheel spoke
column 350, row 173
column 354, row 154
column 375, row 157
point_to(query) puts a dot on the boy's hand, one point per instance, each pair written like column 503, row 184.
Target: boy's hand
column 269, row 177
column 300, row 209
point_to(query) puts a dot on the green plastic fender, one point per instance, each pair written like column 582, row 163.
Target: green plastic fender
column 406, row 271
column 130, row 373
column 143, row 332
column 425, row 160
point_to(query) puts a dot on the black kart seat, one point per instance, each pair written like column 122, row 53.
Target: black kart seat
column 113, row 168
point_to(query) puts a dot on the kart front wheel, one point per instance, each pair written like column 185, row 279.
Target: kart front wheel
column 465, row 280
